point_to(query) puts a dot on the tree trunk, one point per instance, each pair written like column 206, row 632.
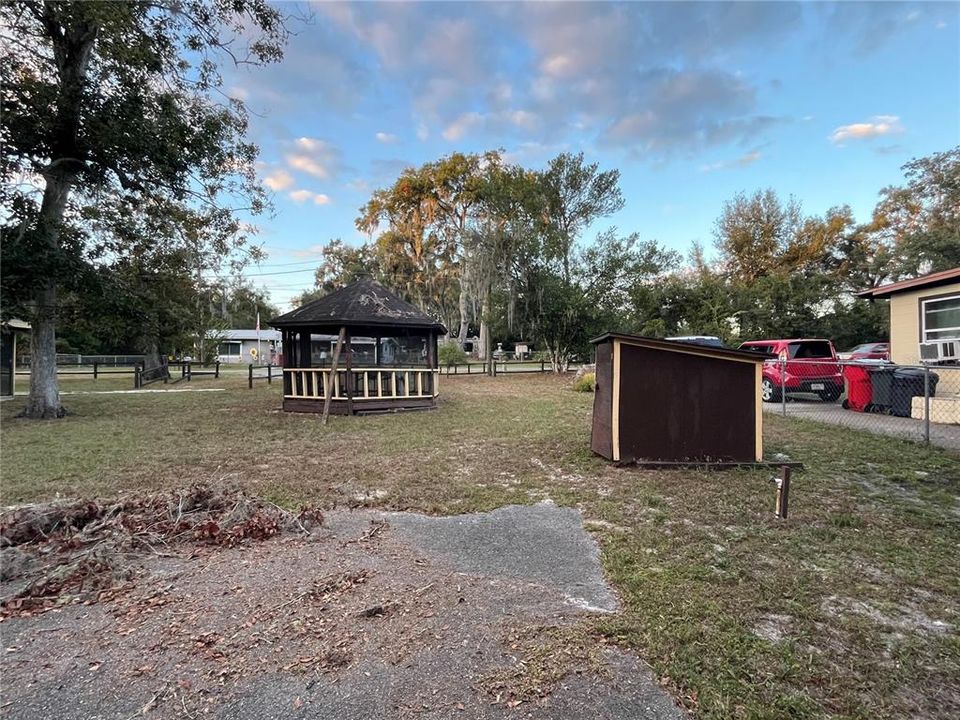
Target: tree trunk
column 559, row 362
column 151, row 356
column 485, row 341
column 44, row 399
column 464, row 315
column 72, row 50
column 483, row 350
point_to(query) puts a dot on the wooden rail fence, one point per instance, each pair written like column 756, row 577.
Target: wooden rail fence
column 480, row 367
column 251, row 377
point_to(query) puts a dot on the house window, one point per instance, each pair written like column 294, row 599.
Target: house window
column 941, row 318
column 226, row 349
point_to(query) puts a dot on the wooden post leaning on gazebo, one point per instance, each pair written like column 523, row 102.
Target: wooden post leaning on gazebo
column 328, row 390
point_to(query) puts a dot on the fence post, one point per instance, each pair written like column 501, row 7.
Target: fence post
column 189, row 371
column 250, row 376
column 783, row 386
column 216, row 370
column 94, row 369
column 269, row 374
column 542, row 366
column 926, row 404
column 137, row 380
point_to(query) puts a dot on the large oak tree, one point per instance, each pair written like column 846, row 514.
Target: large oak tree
column 121, row 143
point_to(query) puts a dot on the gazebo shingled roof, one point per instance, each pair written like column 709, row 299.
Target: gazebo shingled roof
column 362, row 303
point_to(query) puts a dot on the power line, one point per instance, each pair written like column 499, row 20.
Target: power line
column 299, row 262
column 249, row 274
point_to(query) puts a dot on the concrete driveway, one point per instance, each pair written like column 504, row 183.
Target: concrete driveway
column 800, row 406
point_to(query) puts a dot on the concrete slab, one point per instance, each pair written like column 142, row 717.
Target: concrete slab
column 543, row 544
column 376, row 616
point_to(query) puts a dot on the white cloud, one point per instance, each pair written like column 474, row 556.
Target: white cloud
column 878, row 126
column 314, row 251
column 307, row 164
column 746, row 159
column 558, row 65
column 423, row 132
column 314, row 157
column 523, row 119
column 386, row 138
column 459, row 127
column 278, row 180
column 312, row 145
column 301, row 196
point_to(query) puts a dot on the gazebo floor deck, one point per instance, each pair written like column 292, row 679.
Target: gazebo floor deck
column 341, row 406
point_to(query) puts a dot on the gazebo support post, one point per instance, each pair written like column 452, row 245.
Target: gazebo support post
column 328, row 390
column 350, row 377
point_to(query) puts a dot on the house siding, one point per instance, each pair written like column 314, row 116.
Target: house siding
column 905, row 322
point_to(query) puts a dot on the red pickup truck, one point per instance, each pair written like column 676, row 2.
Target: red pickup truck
column 811, row 367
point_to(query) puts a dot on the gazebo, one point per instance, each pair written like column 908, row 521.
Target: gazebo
column 363, row 346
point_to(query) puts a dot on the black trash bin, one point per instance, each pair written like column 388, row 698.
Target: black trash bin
column 881, row 385
column 907, row 384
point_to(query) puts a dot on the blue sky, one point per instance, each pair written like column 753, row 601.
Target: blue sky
column 692, row 102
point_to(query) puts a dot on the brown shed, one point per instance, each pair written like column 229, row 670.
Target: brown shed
column 675, row 401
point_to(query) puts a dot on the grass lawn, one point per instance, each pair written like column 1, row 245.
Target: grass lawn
column 851, row 608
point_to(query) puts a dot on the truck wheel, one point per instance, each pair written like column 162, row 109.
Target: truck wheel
column 768, row 391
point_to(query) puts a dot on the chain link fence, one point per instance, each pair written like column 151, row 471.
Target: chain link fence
column 912, row 402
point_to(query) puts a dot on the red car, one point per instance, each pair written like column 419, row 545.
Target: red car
column 869, row 351
column 811, row 367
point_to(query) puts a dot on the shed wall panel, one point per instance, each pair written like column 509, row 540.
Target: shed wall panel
column 601, row 441
column 680, row 406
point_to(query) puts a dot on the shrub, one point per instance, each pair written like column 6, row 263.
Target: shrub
column 586, row 383
column 451, row 354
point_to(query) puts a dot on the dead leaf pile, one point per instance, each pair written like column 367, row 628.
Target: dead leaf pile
column 84, row 550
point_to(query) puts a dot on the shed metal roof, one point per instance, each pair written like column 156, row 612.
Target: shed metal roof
column 364, row 303
column 686, row 347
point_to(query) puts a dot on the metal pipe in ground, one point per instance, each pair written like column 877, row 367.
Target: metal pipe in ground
column 783, row 387
column 783, row 492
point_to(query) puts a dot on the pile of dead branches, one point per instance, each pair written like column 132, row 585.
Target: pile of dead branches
column 82, row 550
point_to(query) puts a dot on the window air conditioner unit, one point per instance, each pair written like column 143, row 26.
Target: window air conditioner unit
column 939, row 351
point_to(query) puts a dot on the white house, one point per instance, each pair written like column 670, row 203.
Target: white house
column 249, row 346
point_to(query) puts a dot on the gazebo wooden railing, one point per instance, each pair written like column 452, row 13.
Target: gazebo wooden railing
column 367, row 383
